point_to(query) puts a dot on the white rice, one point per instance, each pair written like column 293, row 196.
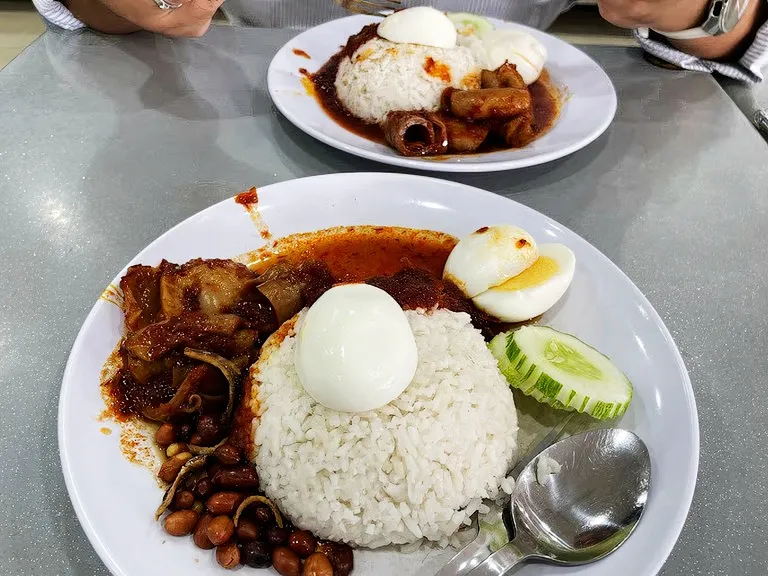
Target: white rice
column 416, row 468
column 382, row 76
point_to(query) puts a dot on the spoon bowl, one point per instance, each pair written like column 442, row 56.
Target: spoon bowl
column 582, row 513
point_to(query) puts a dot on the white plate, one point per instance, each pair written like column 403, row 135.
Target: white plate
column 115, row 500
column 586, row 113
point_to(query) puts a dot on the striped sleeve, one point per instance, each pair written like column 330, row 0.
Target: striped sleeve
column 747, row 69
column 57, row 14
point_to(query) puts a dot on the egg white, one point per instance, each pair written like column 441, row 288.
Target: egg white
column 355, row 350
column 419, row 25
column 488, row 257
column 514, row 46
column 535, row 298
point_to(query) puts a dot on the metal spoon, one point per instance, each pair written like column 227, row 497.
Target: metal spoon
column 476, row 551
column 584, row 512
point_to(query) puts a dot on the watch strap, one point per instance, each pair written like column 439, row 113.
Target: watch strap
column 721, row 19
column 689, row 34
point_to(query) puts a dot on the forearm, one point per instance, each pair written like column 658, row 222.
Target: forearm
column 189, row 18
column 732, row 45
column 97, row 16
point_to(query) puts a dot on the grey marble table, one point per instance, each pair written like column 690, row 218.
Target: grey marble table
column 749, row 98
column 107, row 142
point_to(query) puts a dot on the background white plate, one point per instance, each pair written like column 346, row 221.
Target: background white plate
column 115, row 500
column 587, row 111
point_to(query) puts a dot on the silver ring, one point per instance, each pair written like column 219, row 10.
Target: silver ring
column 164, row 5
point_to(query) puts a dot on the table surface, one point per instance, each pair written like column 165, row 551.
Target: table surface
column 108, row 142
column 748, row 97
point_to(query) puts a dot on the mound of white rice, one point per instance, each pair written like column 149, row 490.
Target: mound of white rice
column 416, row 468
column 382, row 76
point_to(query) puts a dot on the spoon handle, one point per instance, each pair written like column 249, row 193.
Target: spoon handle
column 467, row 558
column 476, row 551
column 500, row 562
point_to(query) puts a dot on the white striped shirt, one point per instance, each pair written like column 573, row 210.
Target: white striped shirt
column 301, row 14
column 57, row 14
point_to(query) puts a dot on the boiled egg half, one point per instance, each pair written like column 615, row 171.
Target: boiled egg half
column 516, row 47
column 508, row 275
column 488, row 257
column 419, row 25
column 493, row 46
column 533, row 291
column 355, row 350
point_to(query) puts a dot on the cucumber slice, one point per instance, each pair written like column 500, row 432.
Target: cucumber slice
column 560, row 370
column 468, row 24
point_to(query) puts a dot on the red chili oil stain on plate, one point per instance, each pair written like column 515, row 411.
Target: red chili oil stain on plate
column 113, row 295
column 250, row 201
column 306, row 81
column 136, row 436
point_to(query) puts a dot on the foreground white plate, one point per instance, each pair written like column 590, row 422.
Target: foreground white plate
column 587, row 111
column 115, row 500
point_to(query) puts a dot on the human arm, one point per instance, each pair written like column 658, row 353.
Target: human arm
column 97, row 16
column 191, row 19
column 739, row 53
column 676, row 15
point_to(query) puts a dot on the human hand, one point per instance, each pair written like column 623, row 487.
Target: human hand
column 676, row 15
column 191, row 19
column 666, row 15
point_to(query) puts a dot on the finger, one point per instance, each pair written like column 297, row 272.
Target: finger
column 136, row 12
column 190, row 20
column 146, row 14
column 627, row 14
column 199, row 10
column 190, row 30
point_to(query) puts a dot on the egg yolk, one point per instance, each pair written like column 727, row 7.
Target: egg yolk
column 536, row 274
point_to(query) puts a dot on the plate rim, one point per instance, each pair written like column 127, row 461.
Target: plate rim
column 438, row 165
column 686, row 498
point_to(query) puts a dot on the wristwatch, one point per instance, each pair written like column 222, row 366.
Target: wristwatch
column 722, row 17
